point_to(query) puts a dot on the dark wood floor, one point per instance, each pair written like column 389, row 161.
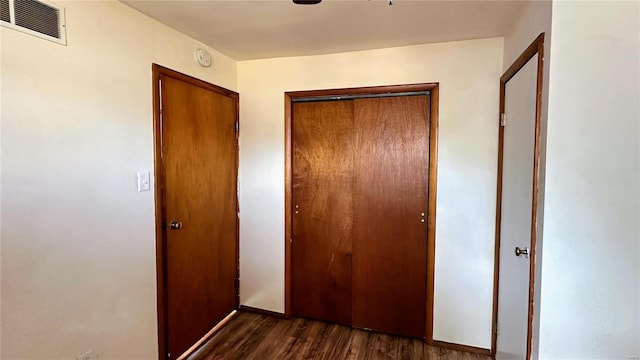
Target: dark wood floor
column 259, row 337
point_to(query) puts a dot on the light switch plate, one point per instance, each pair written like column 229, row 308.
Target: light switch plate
column 144, row 181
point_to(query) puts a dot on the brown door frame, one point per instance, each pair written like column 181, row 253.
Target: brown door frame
column 536, row 47
column 160, row 72
column 433, row 169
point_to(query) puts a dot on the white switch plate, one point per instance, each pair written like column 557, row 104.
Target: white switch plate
column 89, row 355
column 144, row 181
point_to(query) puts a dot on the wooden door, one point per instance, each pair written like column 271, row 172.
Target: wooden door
column 199, row 172
column 391, row 169
column 359, row 203
column 322, row 210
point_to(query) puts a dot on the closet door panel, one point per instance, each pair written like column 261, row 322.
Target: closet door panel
column 389, row 218
column 322, row 210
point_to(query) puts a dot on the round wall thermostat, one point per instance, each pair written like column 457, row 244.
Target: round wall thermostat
column 203, row 57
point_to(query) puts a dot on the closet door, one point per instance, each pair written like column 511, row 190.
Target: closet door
column 389, row 216
column 322, row 210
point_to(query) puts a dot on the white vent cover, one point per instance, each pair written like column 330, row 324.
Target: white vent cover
column 36, row 17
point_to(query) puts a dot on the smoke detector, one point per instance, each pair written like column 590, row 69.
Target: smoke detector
column 203, row 57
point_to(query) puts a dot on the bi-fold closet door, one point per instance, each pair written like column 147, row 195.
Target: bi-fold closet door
column 360, row 175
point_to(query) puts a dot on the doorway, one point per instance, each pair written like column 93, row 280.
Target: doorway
column 360, row 207
column 517, row 204
column 196, row 161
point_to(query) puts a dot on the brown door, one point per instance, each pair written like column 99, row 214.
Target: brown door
column 322, row 213
column 199, row 168
column 359, row 177
column 391, row 167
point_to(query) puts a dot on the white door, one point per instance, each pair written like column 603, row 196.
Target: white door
column 517, row 203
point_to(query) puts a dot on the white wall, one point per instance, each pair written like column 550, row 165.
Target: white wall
column 590, row 305
column 534, row 19
column 468, row 74
column 78, row 243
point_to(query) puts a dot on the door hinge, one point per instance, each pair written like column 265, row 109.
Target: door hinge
column 237, row 286
column 503, row 119
column 237, row 126
column 168, row 355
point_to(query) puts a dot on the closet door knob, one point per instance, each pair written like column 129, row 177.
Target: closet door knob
column 522, row 252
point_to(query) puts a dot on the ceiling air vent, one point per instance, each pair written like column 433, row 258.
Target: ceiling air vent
column 35, row 17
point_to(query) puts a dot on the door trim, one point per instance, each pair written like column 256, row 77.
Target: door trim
column 536, row 48
column 159, row 72
column 432, row 183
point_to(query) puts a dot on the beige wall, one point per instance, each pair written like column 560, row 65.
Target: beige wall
column 533, row 20
column 468, row 74
column 590, row 307
column 78, row 243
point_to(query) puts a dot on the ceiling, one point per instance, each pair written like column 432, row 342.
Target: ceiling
column 246, row 30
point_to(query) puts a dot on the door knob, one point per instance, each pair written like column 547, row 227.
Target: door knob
column 175, row 225
column 522, row 252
